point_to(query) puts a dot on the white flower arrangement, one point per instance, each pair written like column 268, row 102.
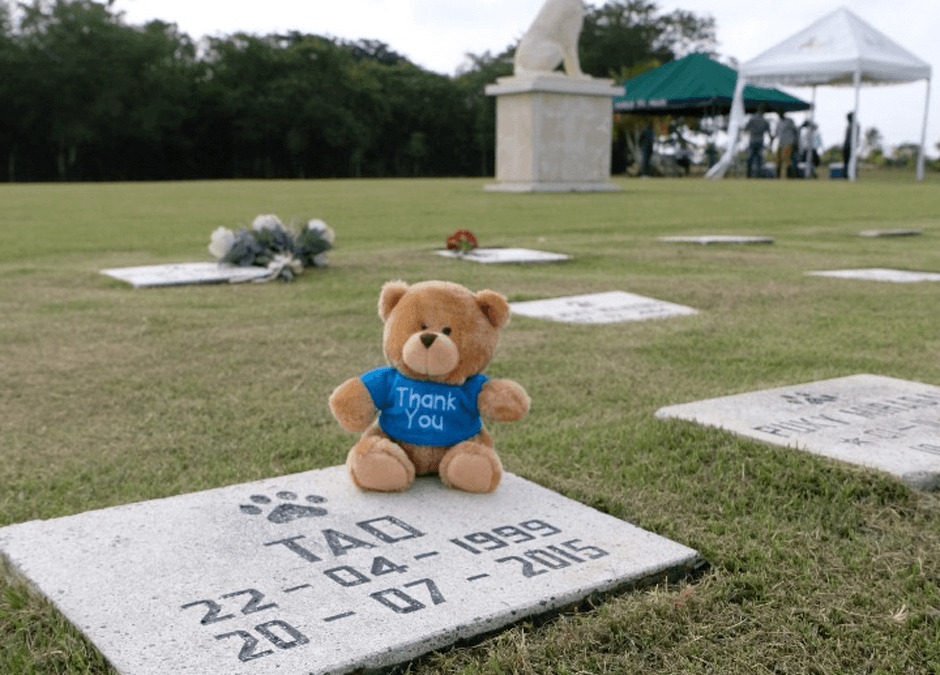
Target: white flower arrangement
column 267, row 221
column 269, row 244
column 221, row 242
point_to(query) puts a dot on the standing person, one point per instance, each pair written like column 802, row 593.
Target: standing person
column 684, row 156
column 756, row 127
column 646, row 149
column 711, row 154
column 810, row 143
column 851, row 137
column 786, row 147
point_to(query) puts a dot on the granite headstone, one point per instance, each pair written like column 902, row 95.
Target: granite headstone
column 595, row 308
column 871, row 420
column 718, row 239
column 889, row 233
column 181, row 274
column 306, row 574
column 505, row 255
column 879, row 274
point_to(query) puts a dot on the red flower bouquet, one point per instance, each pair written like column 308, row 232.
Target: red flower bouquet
column 462, row 241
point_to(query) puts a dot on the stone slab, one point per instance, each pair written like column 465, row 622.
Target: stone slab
column 545, row 186
column 608, row 307
column 870, row 420
column 181, row 274
column 889, row 233
column 554, row 83
column 305, row 574
column 718, row 239
column 553, row 133
column 880, row 274
column 506, row 255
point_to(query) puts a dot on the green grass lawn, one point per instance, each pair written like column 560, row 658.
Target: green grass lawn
column 110, row 395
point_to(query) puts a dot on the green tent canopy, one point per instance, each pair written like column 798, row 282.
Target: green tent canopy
column 697, row 86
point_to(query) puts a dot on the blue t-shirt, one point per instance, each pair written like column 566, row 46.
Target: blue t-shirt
column 425, row 413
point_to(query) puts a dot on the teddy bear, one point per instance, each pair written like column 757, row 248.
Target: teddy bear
column 423, row 412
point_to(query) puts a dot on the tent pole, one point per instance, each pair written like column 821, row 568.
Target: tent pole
column 735, row 120
column 923, row 136
column 811, row 140
column 852, row 168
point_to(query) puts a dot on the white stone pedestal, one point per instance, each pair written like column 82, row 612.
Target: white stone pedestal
column 553, row 133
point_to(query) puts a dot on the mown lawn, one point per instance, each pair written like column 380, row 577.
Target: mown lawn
column 110, row 395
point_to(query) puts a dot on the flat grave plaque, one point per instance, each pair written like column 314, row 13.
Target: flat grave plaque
column 505, row 255
column 718, row 239
column 874, row 421
column 181, row 274
column 880, row 274
column 305, row 574
column 609, row 307
column 889, row 233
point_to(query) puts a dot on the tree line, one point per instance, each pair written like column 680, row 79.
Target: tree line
column 85, row 96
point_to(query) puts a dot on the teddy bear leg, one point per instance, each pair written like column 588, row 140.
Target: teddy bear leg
column 471, row 466
column 379, row 464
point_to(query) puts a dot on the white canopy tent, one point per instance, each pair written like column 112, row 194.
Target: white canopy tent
column 838, row 50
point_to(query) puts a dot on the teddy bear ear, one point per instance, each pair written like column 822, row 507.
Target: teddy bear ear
column 392, row 292
column 494, row 306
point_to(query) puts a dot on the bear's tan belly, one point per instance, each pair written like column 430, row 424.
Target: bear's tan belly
column 426, row 458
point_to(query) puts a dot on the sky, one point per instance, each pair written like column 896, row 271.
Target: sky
column 437, row 35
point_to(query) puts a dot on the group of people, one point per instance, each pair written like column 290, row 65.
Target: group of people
column 797, row 154
column 795, row 146
column 682, row 155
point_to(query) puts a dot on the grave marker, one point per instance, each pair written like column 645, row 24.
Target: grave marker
column 889, row 233
column 718, row 239
column 305, row 574
column 880, row 274
column 874, row 421
column 505, row 255
column 180, row 274
column 609, row 307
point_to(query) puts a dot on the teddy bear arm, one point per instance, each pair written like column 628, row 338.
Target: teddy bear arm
column 503, row 400
column 352, row 405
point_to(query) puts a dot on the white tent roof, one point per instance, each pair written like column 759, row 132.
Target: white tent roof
column 838, row 49
column 831, row 51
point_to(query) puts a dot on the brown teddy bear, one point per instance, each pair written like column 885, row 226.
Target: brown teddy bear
column 438, row 339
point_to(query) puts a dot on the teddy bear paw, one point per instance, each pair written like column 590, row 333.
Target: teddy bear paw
column 473, row 468
column 503, row 400
column 381, row 466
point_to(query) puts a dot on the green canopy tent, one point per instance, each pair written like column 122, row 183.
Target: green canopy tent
column 697, row 86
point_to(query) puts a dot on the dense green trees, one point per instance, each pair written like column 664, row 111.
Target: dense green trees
column 623, row 33
column 90, row 98
column 84, row 96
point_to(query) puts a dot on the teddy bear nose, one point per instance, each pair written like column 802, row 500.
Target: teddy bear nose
column 427, row 339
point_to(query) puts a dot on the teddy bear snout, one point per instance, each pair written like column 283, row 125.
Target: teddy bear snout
column 430, row 354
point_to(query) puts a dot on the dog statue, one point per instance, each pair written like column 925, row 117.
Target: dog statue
column 552, row 39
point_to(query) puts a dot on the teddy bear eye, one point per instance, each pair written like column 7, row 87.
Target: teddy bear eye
column 446, row 330
column 424, row 326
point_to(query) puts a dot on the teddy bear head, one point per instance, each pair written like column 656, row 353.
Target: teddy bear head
column 439, row 331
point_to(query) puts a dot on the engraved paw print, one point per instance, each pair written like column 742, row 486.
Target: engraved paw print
column 286, row 511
